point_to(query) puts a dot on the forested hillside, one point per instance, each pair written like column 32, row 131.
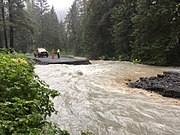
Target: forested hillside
column 146, row 31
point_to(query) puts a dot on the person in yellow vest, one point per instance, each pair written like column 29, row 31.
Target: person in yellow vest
column 58, row 53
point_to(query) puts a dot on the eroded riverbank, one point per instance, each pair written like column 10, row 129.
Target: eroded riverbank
column 166, row 84
column 95, row 97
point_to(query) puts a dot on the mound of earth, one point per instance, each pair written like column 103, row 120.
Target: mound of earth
column 166, row 84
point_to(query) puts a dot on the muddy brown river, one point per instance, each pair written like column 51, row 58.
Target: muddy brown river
column 95, row 98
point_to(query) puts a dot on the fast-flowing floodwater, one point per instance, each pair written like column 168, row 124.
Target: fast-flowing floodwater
column 95, row 98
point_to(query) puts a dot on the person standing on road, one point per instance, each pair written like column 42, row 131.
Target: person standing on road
column 58, row 53
column 52, row 53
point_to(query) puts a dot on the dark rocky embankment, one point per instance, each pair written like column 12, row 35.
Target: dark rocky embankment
column 166, row 84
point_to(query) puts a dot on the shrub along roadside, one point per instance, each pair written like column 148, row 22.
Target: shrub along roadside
column 25, row 99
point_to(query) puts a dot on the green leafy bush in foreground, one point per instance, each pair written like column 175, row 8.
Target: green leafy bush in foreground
column 25, row 100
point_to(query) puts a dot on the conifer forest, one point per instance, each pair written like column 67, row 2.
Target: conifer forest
column 147, row 31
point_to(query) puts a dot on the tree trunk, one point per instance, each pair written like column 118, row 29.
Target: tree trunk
column 11, row 29
column 4, row 25
column 1, row 41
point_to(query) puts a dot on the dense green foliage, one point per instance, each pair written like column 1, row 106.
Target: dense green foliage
column 25, row 100
column 146, row 30
column 141, row 30
column 156, row 34
column 29, row 24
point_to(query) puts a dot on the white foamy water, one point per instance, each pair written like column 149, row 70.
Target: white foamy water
column 96, row 98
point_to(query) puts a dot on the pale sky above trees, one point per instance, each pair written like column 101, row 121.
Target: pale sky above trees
column 61, row 4
column 61, row 7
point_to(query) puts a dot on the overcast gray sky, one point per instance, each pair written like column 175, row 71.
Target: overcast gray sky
column 61, row 4
column 61, row 7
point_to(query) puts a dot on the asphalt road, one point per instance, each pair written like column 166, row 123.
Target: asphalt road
column 62, row 60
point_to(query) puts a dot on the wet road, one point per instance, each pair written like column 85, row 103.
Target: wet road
column 61, row 60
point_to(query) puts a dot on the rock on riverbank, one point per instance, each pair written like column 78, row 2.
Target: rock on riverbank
column 167, row 84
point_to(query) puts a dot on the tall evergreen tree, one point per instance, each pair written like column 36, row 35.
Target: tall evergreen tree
column 41, row 9
column 45, row 25
column 98, row 38
column 31, row 15
column 21, row 26
column 4, row 27
column 11, row 21
column 51, row 30
column 62, row 35
column 1, row 26
column 156, row 32
column 122, row 27
column 71, row 21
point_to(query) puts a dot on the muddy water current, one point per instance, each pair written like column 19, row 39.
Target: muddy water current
column 95, row 98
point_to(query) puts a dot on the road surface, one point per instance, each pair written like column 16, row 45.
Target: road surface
column 62, row 60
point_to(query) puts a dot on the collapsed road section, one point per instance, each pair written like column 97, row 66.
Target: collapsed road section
column 62, row 60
